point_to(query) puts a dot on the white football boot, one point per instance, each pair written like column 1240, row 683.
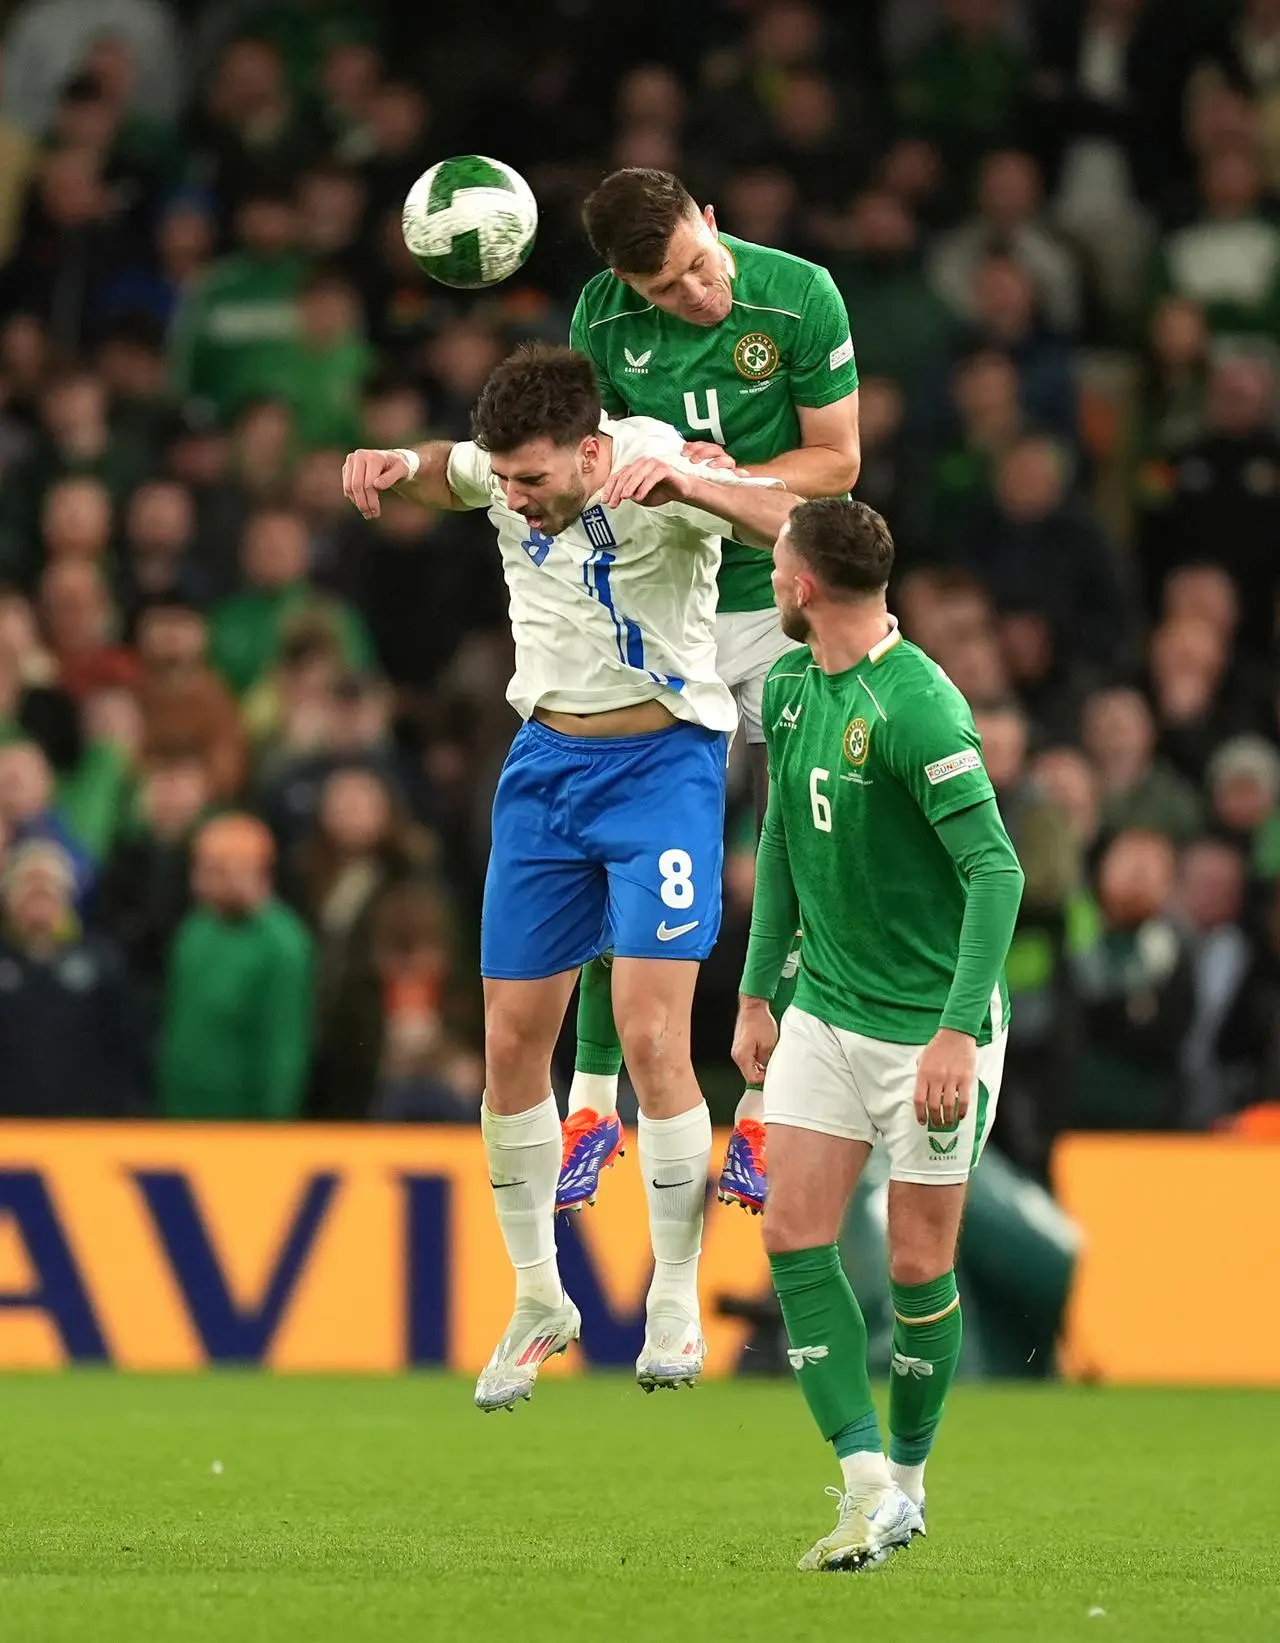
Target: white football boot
column 673, row 1351
column 873, row 1523
column 535, row 1333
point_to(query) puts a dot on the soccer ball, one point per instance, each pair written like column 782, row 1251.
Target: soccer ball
column 470, row 222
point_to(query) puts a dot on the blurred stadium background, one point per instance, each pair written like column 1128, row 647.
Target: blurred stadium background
column 1056, row 225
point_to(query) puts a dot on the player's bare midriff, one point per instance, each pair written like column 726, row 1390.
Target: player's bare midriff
column 618, row 721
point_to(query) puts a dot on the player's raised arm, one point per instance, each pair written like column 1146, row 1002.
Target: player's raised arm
column 421, row 473
column 756, row 512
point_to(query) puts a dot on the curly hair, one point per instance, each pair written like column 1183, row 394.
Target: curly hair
column 540, row 392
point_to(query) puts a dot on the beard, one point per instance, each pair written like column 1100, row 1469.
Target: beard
column 563, row 509
column 795, row 624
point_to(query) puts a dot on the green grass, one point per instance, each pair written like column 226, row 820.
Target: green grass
column 347, row 1510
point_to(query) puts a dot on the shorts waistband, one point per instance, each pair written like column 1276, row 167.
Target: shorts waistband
column 587, row 745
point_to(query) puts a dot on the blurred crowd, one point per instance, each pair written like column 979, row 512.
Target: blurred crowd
column 249, row 740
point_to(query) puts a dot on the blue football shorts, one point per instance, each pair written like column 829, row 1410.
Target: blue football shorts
column 604, row 843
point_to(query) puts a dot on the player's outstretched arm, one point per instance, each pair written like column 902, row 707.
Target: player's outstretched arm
column 757, row 512
column 829, row 457
column 419, row 473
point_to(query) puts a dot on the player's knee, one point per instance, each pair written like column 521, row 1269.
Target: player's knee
column 655, row 1056
column 509, row 1041
column 791, row 1225
column 921, row 1264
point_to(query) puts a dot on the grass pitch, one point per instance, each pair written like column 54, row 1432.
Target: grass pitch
column 259, row 1510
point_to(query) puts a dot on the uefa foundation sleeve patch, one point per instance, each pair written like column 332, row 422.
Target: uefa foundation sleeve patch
column 841, row 355
column 955, row 764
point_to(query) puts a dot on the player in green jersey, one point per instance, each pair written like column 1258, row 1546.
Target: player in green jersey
column 747, row 351
column 883, row 839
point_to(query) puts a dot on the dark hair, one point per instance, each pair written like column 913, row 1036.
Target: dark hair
column 630, row 218
column 847, row 544
column 540, row 392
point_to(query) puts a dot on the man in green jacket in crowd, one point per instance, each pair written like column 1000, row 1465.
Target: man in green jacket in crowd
column 238, row 1012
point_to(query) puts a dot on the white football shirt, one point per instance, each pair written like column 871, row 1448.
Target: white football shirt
column 620, row 607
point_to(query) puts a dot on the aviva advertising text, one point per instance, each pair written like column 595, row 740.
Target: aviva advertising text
column 310, row 1248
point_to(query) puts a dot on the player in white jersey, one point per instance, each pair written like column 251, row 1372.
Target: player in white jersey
column 609, row 815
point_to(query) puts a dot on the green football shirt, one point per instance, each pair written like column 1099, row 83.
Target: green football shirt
column 785, row 344
column 863, row 766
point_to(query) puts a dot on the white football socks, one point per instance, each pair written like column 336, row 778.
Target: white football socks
column 675, row 1154
column 750, row 1105
column 599, row 1091
column 910, row 1479
column 865, row 1469
column 523, row 1150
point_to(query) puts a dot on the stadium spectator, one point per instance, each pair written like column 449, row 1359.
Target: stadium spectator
column 47, row 40
column 247, row 628
column 957, row 491
column 144, row 892
column 326, row 364
column 187, row 711
column 228, row 344
column 75, row 521
column 1040, row 553
column 1189, row 690
column 1176, row 374
column 237, row 1025
column 1007, row 317
column 875, row 261
column 157, row 558
column 69, row 1040
column 29, row 811
column 1229, row 260
column 1243, row 778
column 362, row 845
column 966, row 87
column 1136, row 990
column 1009, row 217
column 1033, row 1093
column 1210, row 903
column 250, row 128
column 1138, row 790
column 80, row 624
column 1224, row 490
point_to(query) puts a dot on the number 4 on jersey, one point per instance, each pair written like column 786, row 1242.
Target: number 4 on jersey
column 710, row 423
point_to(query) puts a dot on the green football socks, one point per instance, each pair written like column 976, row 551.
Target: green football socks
column 599, row 1047
column 828, row 1346
column 927, row 1332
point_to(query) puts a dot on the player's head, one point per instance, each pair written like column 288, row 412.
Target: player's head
column 829, row 553
column 538, row 417
column 647, row 227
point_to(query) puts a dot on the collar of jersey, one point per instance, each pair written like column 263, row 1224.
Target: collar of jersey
column 732, row 260
column 882, row 647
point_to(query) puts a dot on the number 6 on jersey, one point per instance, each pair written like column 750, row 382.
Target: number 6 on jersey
column 819, row 802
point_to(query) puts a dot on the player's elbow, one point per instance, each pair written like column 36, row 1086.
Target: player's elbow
column 851, row 467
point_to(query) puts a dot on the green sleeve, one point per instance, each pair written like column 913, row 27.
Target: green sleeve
column 284, row 1043
column 580, row 339
column 775, row 907
column 976, row 841
column 823, row 368
column 934, row 750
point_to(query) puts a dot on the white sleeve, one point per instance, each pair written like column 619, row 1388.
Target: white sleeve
column 470, row 474
column 712, row 523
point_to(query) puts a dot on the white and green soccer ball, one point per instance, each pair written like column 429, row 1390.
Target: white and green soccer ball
column 470, row 221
